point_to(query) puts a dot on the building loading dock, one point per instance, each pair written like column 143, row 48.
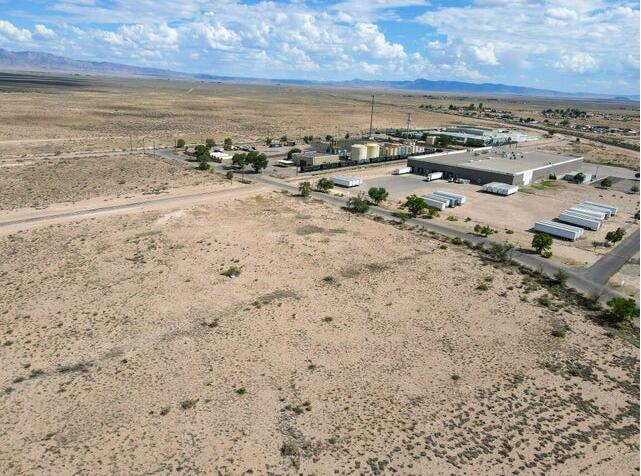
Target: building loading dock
column 495, row 164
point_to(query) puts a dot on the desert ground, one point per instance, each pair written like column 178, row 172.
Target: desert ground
column 341, row 344
column 86, row 113
column 42, row 182
column 131, row 353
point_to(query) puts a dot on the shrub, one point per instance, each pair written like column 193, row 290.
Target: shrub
column 187, row 404
column 621, row 309
column 241, row 391
column 305, row 189
column 483, row 287
column 483, row 230
column 606, row 183
column 324, row 184
column 231, row 272
column 229, row 175
column 358, row 204
column 542, row 243
column 561, row 277
column 579, row 178
column 180, row 143
column 414, row 205
column 378, row 194
column 614, row 236
column 203, row 165
column 209, row 143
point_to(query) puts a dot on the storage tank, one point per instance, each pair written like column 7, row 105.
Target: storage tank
column 373, row 150
column 358, row 152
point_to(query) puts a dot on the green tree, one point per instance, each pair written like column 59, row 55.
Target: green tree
column 258, row 161
column 268, row 141
column 542, row 243
column 227, row 143
column 347, row 135
column 180, row 143
column 378, row 194
column 329, row 138
column 283, row 139
column 305, row 189
column 324, row 184
column 239, row 160
column 209, row 143
column 606, row 183
column 358, row 204
column 203, row 165
column 614, row 236
column 293, row 151
column 621, row 309
column 230, row 175
column 414, row 205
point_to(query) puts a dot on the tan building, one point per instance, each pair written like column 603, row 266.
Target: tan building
column 314, row 158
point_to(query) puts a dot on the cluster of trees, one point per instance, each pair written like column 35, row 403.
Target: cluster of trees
column 358, row 204
column 569, row 112
column 257, row 161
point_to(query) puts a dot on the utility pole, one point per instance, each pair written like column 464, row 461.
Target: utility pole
column 371, row 118
column 131, row 145
column 409, row 121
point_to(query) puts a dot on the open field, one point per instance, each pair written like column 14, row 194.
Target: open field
column 131, row 353
column 40, row 183
column 512, row 217
column 104, row 114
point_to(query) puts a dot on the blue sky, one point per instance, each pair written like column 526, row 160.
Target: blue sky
column 579, row 45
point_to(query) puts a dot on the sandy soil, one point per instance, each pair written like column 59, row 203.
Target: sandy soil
column 130, row 352
column 40, row 183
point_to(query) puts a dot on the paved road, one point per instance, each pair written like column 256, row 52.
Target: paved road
column 608, row 265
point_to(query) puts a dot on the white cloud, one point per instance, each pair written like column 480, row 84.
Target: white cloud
column 577, row 63
column 42, row 32
column 370, row 69
column 485, row 54
column 10, row 32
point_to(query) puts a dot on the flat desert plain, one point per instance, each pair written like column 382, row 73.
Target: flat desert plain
column 344, row 346
column 64, row 114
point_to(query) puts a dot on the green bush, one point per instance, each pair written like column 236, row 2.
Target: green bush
column 414, row 205
column 180, row 143
column 324, row 184
column 305, row 189
column 621, row 309
column 542, row 243
column 358, row 204
column 378, row 194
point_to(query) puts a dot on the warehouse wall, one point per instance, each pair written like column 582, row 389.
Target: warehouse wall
column 478, row 177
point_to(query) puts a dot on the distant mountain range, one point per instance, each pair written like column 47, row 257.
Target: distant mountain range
column 46, row 62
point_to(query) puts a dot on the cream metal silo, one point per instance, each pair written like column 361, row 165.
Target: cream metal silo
column 373, row 150
column 358, row 152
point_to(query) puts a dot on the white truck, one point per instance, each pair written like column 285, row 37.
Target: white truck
column 402, row 171
column 433, row 176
